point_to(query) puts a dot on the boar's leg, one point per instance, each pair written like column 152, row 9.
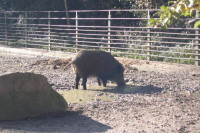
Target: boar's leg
column 84, row 82
column 99, row 81
column 77, row 80
column 104, row 82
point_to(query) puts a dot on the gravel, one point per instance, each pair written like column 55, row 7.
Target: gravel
column 163, row 97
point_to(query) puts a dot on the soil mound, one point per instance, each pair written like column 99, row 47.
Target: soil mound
column 55, row 64
column 28, row 95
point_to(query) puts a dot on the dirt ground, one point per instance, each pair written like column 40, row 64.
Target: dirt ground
column 159, row 98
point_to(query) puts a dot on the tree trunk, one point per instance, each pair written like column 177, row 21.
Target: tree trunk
column 67, row 13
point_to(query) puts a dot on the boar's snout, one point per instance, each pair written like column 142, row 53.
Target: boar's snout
column 120, row 80
column 121, row 84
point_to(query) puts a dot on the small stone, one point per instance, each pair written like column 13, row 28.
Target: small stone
column 100, row 94
column 56, row 67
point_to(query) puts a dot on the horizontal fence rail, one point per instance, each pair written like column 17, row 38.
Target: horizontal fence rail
column 117, row 31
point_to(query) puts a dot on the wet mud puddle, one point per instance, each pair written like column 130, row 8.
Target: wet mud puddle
column 99, row 93
column 94, row 93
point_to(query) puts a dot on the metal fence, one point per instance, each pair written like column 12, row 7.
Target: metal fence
column 120, row 32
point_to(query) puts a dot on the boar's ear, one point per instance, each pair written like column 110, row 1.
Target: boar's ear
column 120, row 68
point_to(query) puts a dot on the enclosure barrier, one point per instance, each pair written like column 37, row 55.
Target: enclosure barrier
column 120, row 32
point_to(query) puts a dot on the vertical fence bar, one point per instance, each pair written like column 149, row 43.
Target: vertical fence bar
column 148, row 40
column 49, row 32
column 197, row 46
column 6, row 29
column 26, row 23
column 109, row 29
column 76, row 31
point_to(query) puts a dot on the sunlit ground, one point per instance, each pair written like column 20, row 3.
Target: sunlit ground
column 100, row 93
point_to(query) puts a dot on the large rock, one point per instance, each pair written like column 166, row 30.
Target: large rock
column 28, row 95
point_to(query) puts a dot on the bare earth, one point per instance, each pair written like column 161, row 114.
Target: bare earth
column 159, row 98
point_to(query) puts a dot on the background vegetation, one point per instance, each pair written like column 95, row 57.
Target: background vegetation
column 170, row 11
column 44, row 5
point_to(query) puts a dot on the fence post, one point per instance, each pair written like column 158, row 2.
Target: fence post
column 197, row 46
column 109, row 30
column 49, row 32
column 6, row 32
column 26, row 23
column 76, row 31
column 148, row 40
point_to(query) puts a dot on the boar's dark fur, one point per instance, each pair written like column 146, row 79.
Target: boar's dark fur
column 99, row 64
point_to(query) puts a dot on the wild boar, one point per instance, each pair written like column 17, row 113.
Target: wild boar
column 99, row 64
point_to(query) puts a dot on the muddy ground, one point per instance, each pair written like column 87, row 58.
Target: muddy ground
column 159, row 97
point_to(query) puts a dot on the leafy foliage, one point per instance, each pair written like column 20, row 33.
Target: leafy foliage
column 142, row 4
column 169, row 14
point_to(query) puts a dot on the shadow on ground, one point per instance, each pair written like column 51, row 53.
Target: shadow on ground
column 131, row 89
column 68, row 122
